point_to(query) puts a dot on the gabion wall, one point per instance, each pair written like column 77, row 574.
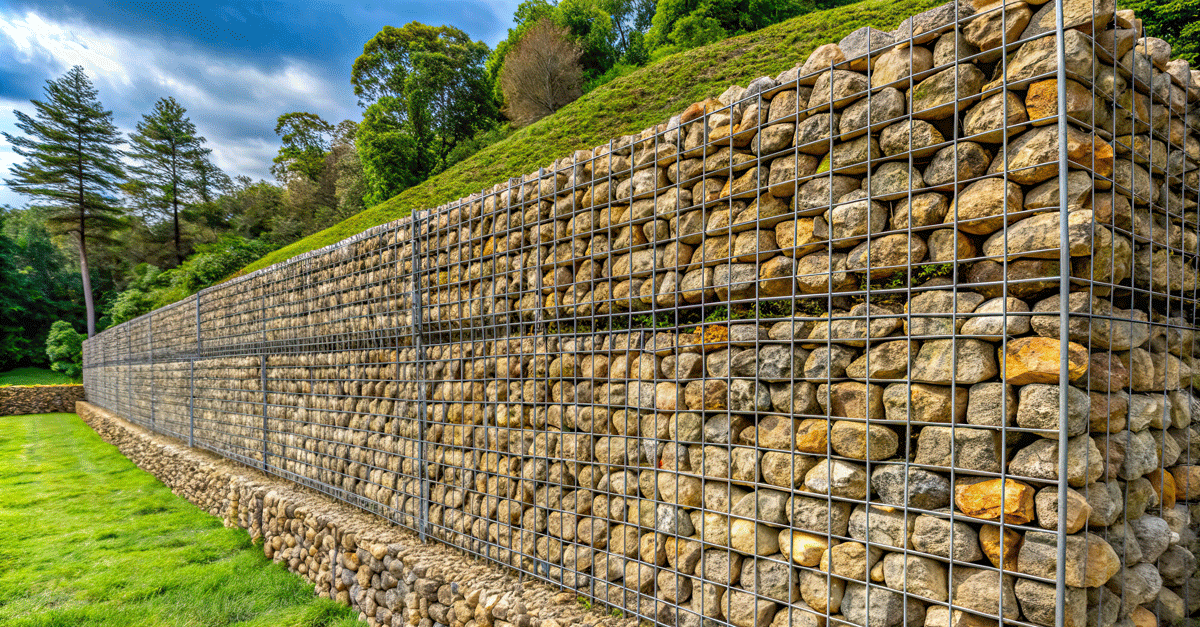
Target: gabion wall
column 830, row 347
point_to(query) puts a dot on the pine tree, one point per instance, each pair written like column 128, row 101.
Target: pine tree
column 71, row 166
column 167, row 149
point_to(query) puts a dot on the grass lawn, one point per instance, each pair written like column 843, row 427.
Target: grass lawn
column 87, row 538
column 34, row 376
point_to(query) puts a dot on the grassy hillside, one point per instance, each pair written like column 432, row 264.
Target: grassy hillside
column 626, row 105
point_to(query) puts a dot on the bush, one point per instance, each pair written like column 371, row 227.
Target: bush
column 64, row 347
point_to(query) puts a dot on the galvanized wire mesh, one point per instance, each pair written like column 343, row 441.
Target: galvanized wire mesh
column 824, row 349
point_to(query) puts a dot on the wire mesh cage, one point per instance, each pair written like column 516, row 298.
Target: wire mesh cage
column 903, row 336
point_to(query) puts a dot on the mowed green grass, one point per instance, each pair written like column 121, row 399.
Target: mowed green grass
column 34, row 376
column 87, row 538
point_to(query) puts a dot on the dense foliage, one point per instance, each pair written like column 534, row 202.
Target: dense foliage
column 64, row 347
column 71, row 166
column 425, row 91
column 38, row 285
column 1176, row 21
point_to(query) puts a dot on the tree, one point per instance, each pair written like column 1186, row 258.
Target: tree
column 425, row 92
column 389, row 152
column 71, row 166
column 682, row 24
column 167, row 147
column 592, row 28
column 346, row 169
column 1176, row 21
column 64, row 347
column 541, row 74
column 305, row 141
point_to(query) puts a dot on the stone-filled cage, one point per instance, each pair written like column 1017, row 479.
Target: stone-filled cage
column 903, row 336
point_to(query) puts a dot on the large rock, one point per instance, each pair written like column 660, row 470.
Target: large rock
column 1037, row 360
column 961, row 447
column 940, row 96
column 842, row 86
column 921, row 402
column 1090, row 560
column 838, row 478
column 1039, row 409
column 983, row 207
column 948, row 362
column 994, row 116
column 1040, row 606
column 918, row 487
column 984, row 591
column 1008, row 501
column 957, row 163
column 916, row 136
column 863, row 441
column 998, row 25
column 992, row 403
column 1039, row 461
column 916, row 575
column 880, row 607
column 1083, row 15
column 882, row 108
column 1033, row 156
column 896, row 65
column 1039, row 57
column 772, row 578
column 1038, row 236
column 933, row 535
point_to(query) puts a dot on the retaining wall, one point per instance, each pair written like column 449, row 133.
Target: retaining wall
column 825, row 348
column 19, row 400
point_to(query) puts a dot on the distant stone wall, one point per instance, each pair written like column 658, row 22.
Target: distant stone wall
column 803, row 354
column 19, row 400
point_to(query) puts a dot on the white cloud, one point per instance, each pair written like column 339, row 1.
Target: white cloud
column 233, row 102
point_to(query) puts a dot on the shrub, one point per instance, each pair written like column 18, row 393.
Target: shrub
column 64, row 347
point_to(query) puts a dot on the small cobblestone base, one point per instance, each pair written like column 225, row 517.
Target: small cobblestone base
column 382, row 571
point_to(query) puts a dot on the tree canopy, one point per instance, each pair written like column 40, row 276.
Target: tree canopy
column 167, row 150
column 425, row 91
column 71, row 166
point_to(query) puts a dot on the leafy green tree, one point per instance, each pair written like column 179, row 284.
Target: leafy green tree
column 346, row 169
column 71, row 166
column 64, row 347
column 425, row 91
column 305, row 141
column 594, row 30
column 682, row 24
column 389, row 153
column 1176, row 21
column 166, row 147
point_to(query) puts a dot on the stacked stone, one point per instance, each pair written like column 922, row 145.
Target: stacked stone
column 21, row 400
column 888, row 458
column 385, row 573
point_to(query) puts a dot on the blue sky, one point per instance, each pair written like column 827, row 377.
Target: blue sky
column 236, row 66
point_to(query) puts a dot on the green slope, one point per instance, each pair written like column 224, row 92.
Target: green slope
column 623, row 106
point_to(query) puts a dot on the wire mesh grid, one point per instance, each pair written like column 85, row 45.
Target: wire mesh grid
column 825, row 350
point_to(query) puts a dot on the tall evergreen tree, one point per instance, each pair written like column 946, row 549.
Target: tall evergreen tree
column 71, row 166
column 167, row 148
